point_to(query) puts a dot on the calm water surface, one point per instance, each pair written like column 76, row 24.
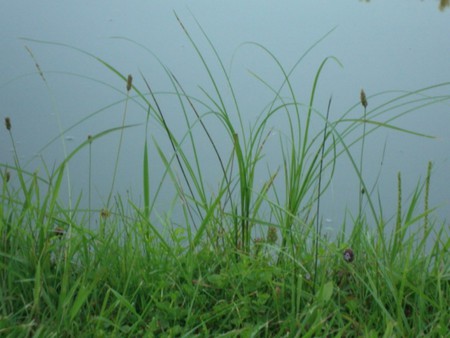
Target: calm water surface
column 383, row 45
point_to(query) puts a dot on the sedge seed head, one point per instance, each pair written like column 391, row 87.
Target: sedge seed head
column 363, row 98
column 272, row 235
column 8, row 123
column 129, row 82
column 104, row 213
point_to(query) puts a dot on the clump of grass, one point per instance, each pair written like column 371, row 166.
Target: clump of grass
column 248, row 259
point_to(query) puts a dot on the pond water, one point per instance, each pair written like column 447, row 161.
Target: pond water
column 382, row 45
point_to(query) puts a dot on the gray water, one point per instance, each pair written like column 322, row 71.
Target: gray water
column 383, row 45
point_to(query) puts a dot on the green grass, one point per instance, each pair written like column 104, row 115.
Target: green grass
column 248, row 259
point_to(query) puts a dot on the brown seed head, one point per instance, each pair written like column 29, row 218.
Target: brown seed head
column 363, row 98
column 7, row 175
column 8, row 123
column 349, row 256
column 104, row 213
column 272, row 235
column 129, row 82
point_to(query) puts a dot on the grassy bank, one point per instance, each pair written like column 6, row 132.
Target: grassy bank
column 248, row 259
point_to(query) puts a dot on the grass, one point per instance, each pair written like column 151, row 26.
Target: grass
column 249, row 259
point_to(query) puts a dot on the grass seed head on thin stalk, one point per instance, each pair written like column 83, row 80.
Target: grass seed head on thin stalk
column 8, row 123
column 89, row 139
column 7, row 175
column 104, row 213
column 129, row 82
column 363, row 98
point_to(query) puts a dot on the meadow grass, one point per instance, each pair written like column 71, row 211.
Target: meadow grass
column 249, row 259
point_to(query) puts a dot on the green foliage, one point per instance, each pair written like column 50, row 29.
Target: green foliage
column 247, row 260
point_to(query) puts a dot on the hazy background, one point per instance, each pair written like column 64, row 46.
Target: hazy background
column 383, row 45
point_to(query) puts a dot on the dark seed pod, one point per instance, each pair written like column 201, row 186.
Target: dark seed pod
column 104, row 213
column 363, row 98
column 349, row 256
column 8, row 123
column 129, row 82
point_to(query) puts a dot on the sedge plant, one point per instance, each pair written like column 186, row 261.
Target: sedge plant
column 246, row 258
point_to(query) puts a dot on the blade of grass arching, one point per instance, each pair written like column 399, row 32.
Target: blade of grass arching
column 87, row 141
column 311, row 102
column 196, row 172
column 58, row 118
column 179, row 189
column 174, row 147
column 177, row 86
column 287, row 82
column 221, row 104
column 388, row 109
column 194, row 167
column 271, row 108
column 245, row 171
column 293, row 68
column 65, row 131
column 103, row 62
column 388, row 126
column 219, row 158
column 346, row 149
column 116, row 163
column 245, row 181
column 244, row 191
column 388, row 106
column 160, row 116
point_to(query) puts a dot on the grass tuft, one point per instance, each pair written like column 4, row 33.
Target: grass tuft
column 247, row 256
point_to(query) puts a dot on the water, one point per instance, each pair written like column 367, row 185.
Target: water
column 383, row 45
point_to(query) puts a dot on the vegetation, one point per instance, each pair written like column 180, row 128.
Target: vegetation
column 248, row 259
